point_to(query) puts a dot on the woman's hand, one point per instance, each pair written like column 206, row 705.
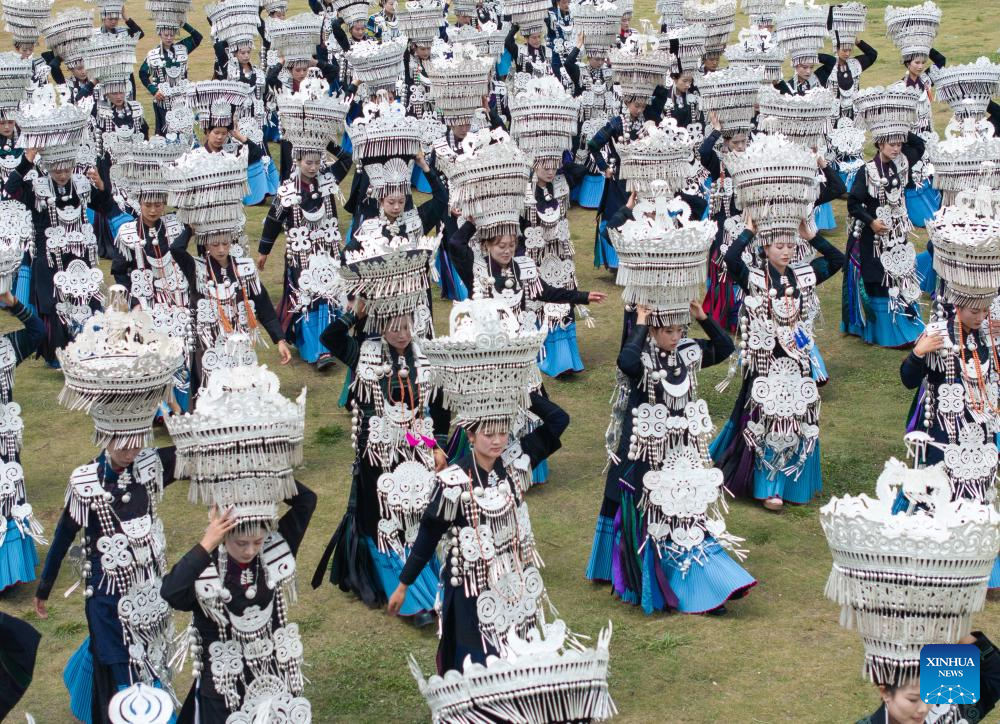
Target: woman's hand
column 609, row 172
column 748, row 222
column 95, row 178
column 928, row 343
column 806, row 230
column 879, row 227
column 40, row 609
column 440, row 460
column 422, row 162
column 261, row 261
column 579, row 40
column 31, row 154
column 697, row 311
column 397, row 599
column 632, row 198
column 237, row 135
column 641, row 313
column 358, row 307
column 219, row 525
column 713, row 118
column 596, row 297
column 284, row 352
column 7, row 299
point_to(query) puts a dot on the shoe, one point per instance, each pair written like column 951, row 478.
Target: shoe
column 325, row 361
column 720, row 611
column 423, row 619
column 774, row 503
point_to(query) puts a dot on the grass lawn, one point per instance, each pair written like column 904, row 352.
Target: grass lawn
column 778, row 656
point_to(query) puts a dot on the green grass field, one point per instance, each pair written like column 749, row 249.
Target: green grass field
column 778, row 656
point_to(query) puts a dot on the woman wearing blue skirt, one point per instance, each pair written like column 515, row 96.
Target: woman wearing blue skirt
column 922, row 199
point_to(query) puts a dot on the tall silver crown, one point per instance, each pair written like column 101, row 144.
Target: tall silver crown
column 295, row 39
column 671, row 14
column 384, row 130
column 756, row 49
column 761, row 12
column 687, row 46
column 968, row 88
column 486, row 367
column 68, row 33
column 109, row 60
column 544, row 119
column 378, row 65
column 662, row 255
column 389, row 178
column 913, row 29
column 964, row 162
column 240, row 445
column 119, row 369
column 23, row 19
column 529, row 14
column 732, row 94
column 234, row 22
column 420, row 20
column 310, row 118
column 488, row 181
column 966, row 239
column 599, row 21
column 800, row 29
column 908, row 580
column 139, row 166
column 488, row 39
column 459, row 82
column 718, row 17
column 352, row 10
column 848, row 21
column 56, row 130
column 109, row 8
column 639, row 67
column 15, row 77
column 776, row 185
column 888, row 114
column 214, row 101
column 659, row 161
column 168, row 14
column 207, row 190
column 805, row 119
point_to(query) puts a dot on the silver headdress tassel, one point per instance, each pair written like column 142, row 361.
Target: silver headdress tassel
column 800, row 29
column 119, row 369
column 15, row 76
column 662, row 256
column 776, row 185
column 488, row 182
column 217, row 102
column 964, row 162
column 139, row 168
column 378, row 65
column 384, row 130
column 168, row 14
column 310, row 118
column 687, row 47
column 913, row 29
column 968, row 88
column 389, row 178
column 719, row 19
column 848, row 21
column 68, row 33
column 805, row 119
column 966, row 240
column 207, row 190
column 57, row 131
column 639, row 67
column 658, row 162
column 529, row 14
column 234, row 22
column 732, row 94
column 242, row 441
column 109, row 60
column 599, row 21
column 755, row 49
column 761, row 12
column 420, row 21
column 544, row 119
column 488, row 39
column 459, row 83
column 295, row 39
column 908, row 580
column 23, row 19
column 888, row 114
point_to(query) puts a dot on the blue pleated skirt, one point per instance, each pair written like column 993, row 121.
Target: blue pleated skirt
column 883, row 328
column 419, row 181
column 799, row 491
column 540, row 473
column 79, row 679
column 22, row 287
column 591, row 190
column 308, row 329
column 272, row 131
column 994, row 581
column 824, row 218
column 452, row 286
column 722, row 440
column 258, row 183
column 345, row 143
column 421, row 595
column 18, row 557
column 503, row 65
column 601, row 550
column 116, row 222
column 604, row 253
column 925, row 268
column 706, row 585
column 562, row 352
column 922, row 202
column 848, row 177
column 818, row 365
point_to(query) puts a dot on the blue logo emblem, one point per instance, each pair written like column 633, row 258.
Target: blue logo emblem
column 949, row 674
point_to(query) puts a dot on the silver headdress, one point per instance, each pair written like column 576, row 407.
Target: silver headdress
column 800, row 29
column 420, row 21
column 119, row 369
column 755, row 49
column 109, row 8
column 671, row 14
column 639, row 67
column 658, row 162
column 536, row 681
column 905, row 581
column 761, row 12
column 56, row 130
column 214, row 101
column 311, row 118
column 963, row 162
column 234, row 22
column 544, row 119
column 966, row 240
column 913, row 29
column 599, row 21
column 459, row 83
column 17, row 233
column 719, row 18
column 804, row 119
column 487, row 39
column 168, row 14
column 968, row 88
column 352, row 11
column 776, row 185
column 207, row 190
column 486, row 367
column 240, row 444
column 732, row 94
column 488, row 181
column 141, row 704
column 529, row 14
column 687, row 46
column 662, row 255
column 15, row 76
column 109, row 60
column 384, row 130
column 888, row 114
column 392, row 177
column 68, row 33
column 393, row 278
column 378, row 65
column 139, row 167
column 295, row 39
column 848, row 22
column 23, row 19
